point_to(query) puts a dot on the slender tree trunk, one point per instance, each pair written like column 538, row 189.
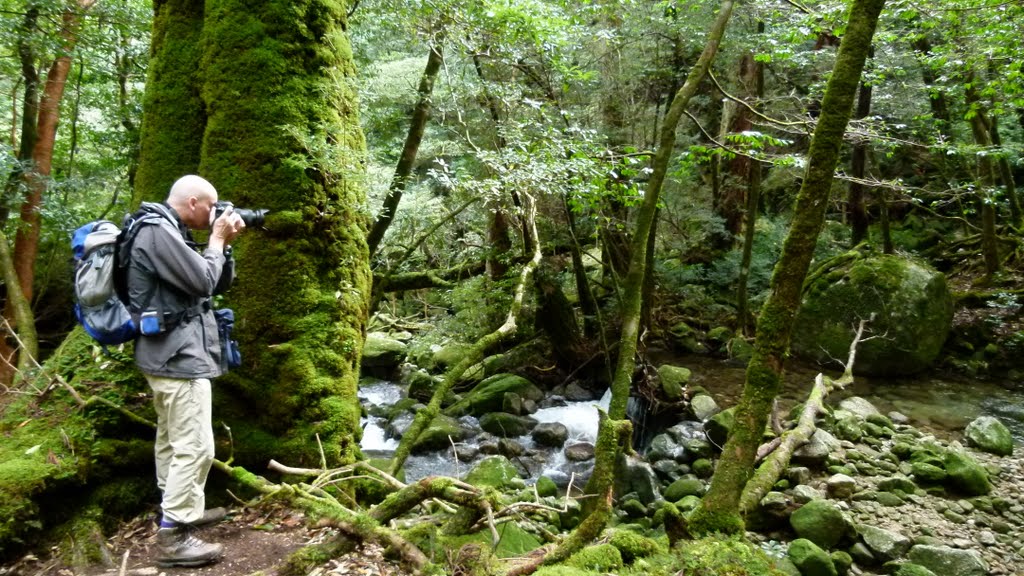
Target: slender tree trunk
column 752, row 76
column 417, row 126
column 1006, row 174
column 16, row 180
column 858, row 166
column 28, row 349
column 174, row 114
column 588, row 304
column 986, row 180
column 282, row 133
column 633, row 287
column 719, row 509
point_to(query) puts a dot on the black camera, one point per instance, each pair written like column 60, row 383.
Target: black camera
column 250, row 217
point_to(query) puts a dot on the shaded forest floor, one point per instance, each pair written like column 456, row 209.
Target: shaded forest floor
column 254, row 541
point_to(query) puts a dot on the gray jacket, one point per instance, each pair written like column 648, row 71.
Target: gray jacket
column 167, row 275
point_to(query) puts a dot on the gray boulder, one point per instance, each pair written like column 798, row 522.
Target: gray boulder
column 949, row 561
column 704, row 407
column 817, row 450
column 636, row 475
column 553, row 434
column 988, row 434
column 884, row 544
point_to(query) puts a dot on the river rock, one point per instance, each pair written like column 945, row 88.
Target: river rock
column 817, row 450
column 553, row 434
column 382, row 354
column 884, row 544
column 579, row 452
column 635, row 475
column 665, row 447
column 505, row 425
column 810, row 559
column 910, row 301
column 719, row 426
column 819, row 521
column 949, row 561
column 684, row 487
column 673, row 381
column 496, row 472
column 442, row 431
column 989, row 434
column 704, row 407
column 965, row 475
column 488, row 395
column 858, row 406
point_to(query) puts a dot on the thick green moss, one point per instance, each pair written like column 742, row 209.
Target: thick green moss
column 282, row 133
column 910, row 304
column 173, row 113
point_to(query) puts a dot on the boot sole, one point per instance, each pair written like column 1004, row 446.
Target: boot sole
column 187, row 563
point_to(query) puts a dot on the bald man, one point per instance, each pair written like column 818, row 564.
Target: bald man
column 169, row 286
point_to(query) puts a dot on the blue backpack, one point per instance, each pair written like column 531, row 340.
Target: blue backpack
column 100, row 298
column 97, row 306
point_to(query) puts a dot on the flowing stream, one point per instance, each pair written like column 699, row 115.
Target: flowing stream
column 942, row 407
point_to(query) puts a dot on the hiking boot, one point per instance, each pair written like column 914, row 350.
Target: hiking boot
column 179, row 547
column 211, row 516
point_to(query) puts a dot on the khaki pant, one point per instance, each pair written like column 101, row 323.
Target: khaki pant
column 184, row 444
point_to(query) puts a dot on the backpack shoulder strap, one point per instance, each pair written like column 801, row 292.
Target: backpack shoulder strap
column 122, row 253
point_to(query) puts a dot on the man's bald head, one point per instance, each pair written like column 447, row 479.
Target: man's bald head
column 193, row 197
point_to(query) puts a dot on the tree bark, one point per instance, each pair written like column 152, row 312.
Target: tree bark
column 28, row 349
column 417, row 126
column 855, row 204
column 282, row 133
column 986, row 180
column 753, row 84
column 719, row 509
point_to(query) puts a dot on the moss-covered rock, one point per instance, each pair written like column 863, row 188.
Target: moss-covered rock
column 720, row 425
column 988, row 434
column 441, row 432
column 911, row 304
column 599, row 558
column 810, row 559
column 382, row 353
column 632, row 545
column 488, row 395
column 497, row 472
column 673, row 381
column 506, row 425
column 724, row 556
column 965, row 475
column 819, row 521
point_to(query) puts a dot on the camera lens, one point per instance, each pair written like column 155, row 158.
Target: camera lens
column 252, row 218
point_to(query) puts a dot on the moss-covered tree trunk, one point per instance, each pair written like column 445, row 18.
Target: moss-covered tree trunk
column 174, row 116
column 719, row 509
column 282, row 133
column 856, row 207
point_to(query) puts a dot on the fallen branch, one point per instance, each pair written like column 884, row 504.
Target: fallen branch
column 775, row 463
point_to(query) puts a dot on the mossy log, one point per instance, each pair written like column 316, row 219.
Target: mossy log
column 775, row 463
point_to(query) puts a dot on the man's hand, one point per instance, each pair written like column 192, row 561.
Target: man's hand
column 225, row 229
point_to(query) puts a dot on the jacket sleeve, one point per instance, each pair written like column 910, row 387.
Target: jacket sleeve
column 227, row 275
column 180, row 266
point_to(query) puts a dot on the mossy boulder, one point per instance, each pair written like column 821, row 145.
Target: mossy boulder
column 819, row 521
column 382, row 353
column 599, row 558
column 990, row 435
column 910, row 302
column 965, row 475
column 724, row 555
column 632, row 545
column 436, row 435
column 505, row 425
column 489, row 394
column 497, row 472
column 810, row 559
column 673, row 381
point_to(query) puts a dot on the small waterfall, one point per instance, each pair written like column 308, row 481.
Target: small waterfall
column 579, row 417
